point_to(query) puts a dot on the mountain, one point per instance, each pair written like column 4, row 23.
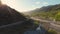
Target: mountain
column 12, row 21
column 46, row 8
column 47, row 12
column 50, row 8
column 9, row 15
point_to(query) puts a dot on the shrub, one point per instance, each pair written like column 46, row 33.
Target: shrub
column 51, row 31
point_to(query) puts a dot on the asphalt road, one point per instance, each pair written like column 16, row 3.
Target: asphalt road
column 52, row 25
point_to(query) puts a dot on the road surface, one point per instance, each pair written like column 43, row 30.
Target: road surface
column 52, row 23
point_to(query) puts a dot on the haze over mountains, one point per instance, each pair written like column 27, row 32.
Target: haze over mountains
column 13, row 22
column 46, row 12
column 46, row 8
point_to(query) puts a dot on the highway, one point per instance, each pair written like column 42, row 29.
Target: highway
column 52, row 25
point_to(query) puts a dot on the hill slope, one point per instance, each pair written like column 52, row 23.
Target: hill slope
column 47, row 12
column 9, row 15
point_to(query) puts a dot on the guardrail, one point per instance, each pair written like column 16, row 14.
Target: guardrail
column 4, row 26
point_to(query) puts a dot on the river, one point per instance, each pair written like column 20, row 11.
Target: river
column 38, row 30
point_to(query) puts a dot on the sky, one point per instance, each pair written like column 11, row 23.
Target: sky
column 27, row 5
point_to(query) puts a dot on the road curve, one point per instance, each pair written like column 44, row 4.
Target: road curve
column 52, row 23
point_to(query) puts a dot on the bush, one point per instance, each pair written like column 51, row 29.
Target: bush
column 51, row 31
column 36, row 22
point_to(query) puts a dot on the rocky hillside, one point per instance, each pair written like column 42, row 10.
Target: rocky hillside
column 12, row 21
column 9, row 15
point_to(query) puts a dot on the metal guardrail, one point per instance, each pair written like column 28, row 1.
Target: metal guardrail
column 3, row 26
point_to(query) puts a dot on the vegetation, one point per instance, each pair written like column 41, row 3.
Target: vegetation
column 57, row 16
column 36, row 22
column 51, row 31
column 48, row 12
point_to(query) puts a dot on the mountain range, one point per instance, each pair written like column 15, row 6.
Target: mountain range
column 47, row 12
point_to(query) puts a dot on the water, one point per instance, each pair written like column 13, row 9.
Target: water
column 39, row 30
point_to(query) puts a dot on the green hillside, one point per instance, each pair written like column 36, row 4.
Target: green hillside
column 51, row 12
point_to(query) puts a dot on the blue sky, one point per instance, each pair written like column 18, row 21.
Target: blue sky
column 27, row 5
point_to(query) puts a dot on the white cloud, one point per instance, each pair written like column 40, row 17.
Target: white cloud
column 45, row 3
column 37, row 2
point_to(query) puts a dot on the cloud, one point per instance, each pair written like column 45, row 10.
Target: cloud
column 37, row 2
column 45, row 3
